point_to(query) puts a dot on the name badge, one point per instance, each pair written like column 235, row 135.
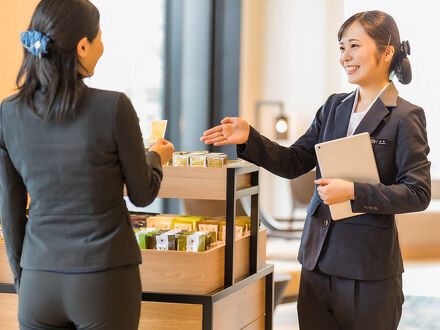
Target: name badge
column 377, row 141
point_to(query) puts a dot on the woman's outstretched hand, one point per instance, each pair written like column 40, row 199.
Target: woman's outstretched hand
column 233, row 130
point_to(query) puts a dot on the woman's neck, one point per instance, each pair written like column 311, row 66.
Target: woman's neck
column 368, row 93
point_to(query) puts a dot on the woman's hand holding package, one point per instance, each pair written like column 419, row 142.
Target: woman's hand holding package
column 333, row 191
column 233, row 130
column 164, row 148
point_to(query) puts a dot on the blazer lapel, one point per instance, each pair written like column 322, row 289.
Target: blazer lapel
column 379, row 110
column 343, row 114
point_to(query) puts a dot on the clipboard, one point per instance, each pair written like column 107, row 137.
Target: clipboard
column 350, row 158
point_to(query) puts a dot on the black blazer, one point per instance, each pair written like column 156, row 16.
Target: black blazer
column 74, row 173
column 363, row 247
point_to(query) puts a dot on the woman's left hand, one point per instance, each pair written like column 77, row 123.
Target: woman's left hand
column 333, row 191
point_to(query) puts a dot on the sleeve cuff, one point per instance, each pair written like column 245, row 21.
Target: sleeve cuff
column 154, row 159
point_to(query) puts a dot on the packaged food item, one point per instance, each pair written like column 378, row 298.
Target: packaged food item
column 210, row 225
column 246, row 222
column 162, row 221
column 242, row 227
column 182, row 240
column 142, row 236
column 181, row 158
column 198, row 159
column 167, row 240
column 217, row 159
column 239, row 230
column 138, row 220
column 187, row 223
column 196, row 242
column 210, row 237
column 152, row 239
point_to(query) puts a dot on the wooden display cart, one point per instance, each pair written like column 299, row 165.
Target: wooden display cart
column 241, row 297
column 227, row 287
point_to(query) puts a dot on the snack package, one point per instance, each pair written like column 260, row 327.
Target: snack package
column 181, row 158
column 195, row 242
column 162, row 221
column 138, row 220
column 151, row 239
column 210, row 237
column 198, row 159
column 142, row 236
column 167, row 241
column 217, row 159
column 210, row 225
column 187, row 223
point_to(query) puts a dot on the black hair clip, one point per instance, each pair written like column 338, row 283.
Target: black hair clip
column 405, row 49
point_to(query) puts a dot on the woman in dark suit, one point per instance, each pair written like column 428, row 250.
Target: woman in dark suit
column 75, row 260
column 351, row 269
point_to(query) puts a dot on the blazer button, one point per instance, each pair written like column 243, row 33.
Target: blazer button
column 325, row 223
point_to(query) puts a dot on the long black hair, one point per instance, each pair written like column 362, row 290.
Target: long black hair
column 382, row 28
column 55, row 74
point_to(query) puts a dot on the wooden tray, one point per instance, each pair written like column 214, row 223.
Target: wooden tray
column 178, row 271
column 201, row 182
column 195, row 272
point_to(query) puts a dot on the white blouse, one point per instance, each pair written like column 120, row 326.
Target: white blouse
column 356, row 117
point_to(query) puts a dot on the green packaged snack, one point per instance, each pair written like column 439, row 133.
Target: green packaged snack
column 181, row 243
column 141, row 236
column 210, row 237
column 195, row 242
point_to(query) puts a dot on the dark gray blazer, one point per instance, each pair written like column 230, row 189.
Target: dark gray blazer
column 363, row 247
column 74, row 173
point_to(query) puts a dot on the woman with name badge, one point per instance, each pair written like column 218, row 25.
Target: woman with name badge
column 351, row 276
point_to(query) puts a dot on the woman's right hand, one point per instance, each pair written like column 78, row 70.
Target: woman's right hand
column 164, row 148
column 233, row 130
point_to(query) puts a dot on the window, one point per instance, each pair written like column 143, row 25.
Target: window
column 133, row 33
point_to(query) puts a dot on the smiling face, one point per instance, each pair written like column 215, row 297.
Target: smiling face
column 361, row 59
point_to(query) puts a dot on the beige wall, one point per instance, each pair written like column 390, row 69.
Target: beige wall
column 15, row 16
column 289, row 53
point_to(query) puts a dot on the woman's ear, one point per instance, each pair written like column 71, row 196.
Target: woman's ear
column 82, row 48
column 389, row 53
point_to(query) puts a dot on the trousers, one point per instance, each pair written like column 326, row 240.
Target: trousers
column 109, row 299
column 335, row 303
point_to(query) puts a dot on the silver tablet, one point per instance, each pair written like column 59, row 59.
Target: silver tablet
column 350, row 158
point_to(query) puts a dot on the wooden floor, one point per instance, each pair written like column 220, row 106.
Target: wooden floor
column 8, row 311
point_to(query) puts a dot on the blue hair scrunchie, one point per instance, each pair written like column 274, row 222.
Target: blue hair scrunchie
column 35, row 42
